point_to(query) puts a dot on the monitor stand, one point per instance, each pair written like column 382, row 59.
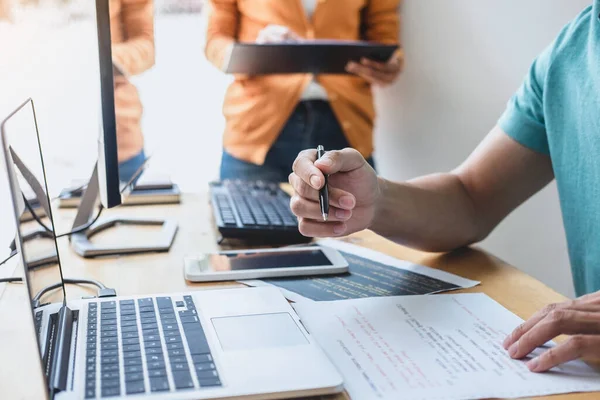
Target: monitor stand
column 80, row 242
column 43, row 260
column 41, row 204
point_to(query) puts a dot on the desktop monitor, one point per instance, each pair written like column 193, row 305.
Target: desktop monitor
column 107, row 184
column 112, row 184
column 108, row 163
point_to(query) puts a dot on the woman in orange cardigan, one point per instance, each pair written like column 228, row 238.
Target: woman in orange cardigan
column 271, row 118
column 132, row 35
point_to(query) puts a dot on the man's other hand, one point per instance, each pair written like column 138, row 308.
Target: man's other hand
column 579, row 318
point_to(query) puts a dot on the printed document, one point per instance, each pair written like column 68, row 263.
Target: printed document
column 442, row 347
column 371, row 274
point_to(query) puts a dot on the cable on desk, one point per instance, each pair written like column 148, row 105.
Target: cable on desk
column 11, row 255
column 11, row 280
column 84, row 227
column 94, row 282
column 103, row 291
column 35, row 216
column 79, row 229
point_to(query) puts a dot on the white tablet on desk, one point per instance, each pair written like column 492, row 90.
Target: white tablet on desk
column 265, row 263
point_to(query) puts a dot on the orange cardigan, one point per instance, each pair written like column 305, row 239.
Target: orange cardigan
column 132, row 35
column 256, row 108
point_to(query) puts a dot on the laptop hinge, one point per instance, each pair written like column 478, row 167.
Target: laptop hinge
column 62, row 350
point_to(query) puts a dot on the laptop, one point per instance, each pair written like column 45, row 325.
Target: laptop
column 228, row 343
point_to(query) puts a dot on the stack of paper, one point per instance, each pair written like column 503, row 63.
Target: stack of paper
column 444, row 347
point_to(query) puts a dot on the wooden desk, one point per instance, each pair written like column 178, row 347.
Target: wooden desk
column 160, row 273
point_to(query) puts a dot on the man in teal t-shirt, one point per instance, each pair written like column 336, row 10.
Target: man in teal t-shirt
column 550, row 130
column 557, row 112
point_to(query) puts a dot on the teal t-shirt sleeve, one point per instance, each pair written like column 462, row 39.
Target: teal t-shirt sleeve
column 523, row 119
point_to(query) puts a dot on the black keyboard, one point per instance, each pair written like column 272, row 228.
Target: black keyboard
column 253, row 211
column 145, row 346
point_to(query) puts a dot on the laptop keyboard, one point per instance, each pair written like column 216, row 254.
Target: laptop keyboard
column 38, row 321
column 145, row 346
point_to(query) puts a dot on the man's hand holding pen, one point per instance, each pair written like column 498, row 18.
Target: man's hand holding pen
column 353, row 191
column 324, row 191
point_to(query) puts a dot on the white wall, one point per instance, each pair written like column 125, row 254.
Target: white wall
column 465, row 58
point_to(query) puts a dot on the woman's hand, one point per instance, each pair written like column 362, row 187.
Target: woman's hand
column 378, row 73
column 277, row 34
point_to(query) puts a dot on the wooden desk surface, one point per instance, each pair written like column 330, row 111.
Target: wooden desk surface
column 160, row 273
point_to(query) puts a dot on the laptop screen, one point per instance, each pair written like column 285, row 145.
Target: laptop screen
column 32, row 209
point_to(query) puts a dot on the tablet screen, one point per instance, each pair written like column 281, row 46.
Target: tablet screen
column 249, row 260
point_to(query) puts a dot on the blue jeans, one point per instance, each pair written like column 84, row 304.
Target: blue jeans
column 312, row 123
column 128, row 168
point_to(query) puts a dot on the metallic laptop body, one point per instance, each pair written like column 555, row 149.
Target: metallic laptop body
column 228, row 343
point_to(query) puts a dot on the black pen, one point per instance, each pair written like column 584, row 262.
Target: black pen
column 323, row 192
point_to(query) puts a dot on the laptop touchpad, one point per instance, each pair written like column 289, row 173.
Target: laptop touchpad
column 249, row 332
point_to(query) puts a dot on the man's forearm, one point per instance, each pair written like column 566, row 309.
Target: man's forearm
column 431, row 213
column 444, row 211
